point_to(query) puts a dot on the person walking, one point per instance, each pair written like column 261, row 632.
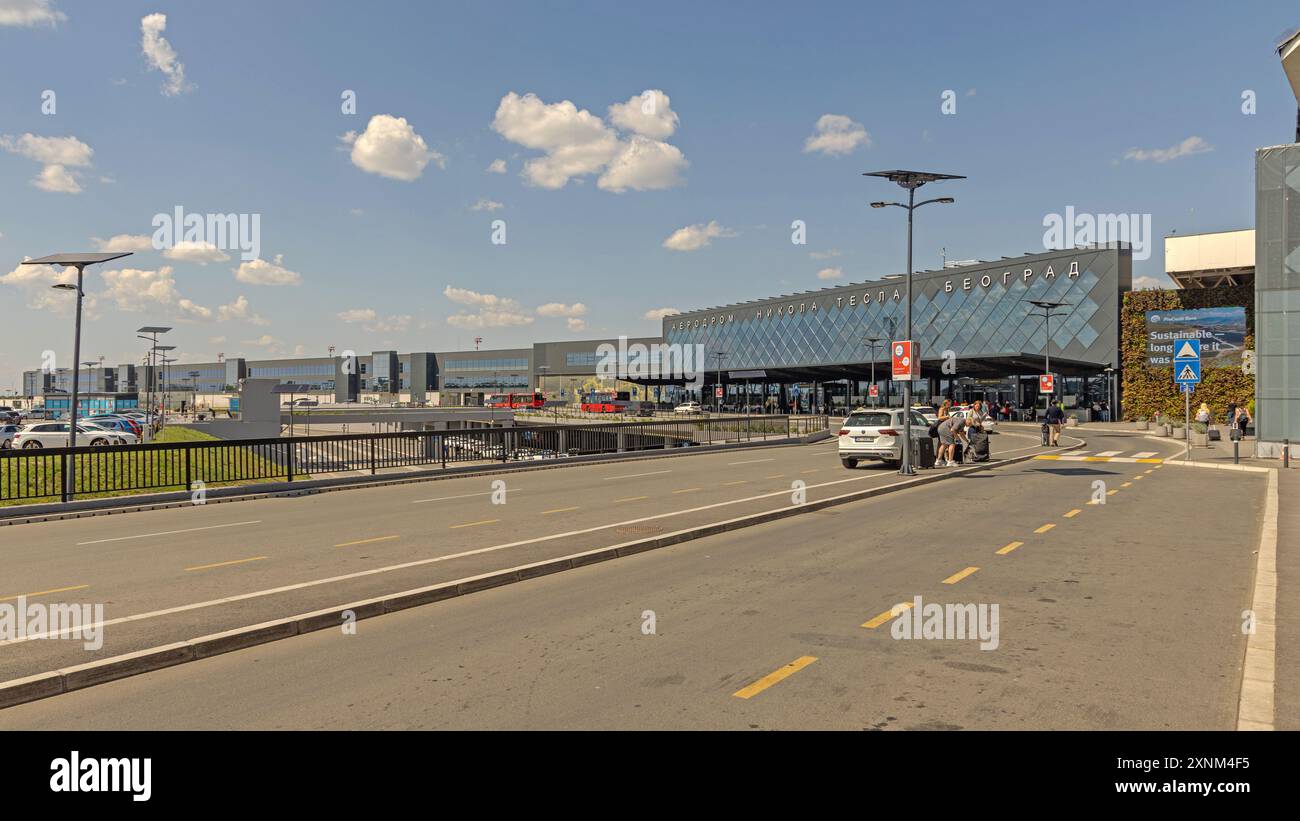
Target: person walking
column 1203, row 414
column 1055, row 419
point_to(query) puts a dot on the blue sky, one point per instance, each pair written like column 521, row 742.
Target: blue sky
column 371, row 241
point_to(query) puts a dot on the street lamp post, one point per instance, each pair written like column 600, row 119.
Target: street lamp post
column 911, row 180
column 78, row 261
column 1049, row 310
column 1110, row 393
column 872, row 341
column 717, row 389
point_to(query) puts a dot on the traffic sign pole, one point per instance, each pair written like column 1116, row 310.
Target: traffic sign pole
column 1187, row 429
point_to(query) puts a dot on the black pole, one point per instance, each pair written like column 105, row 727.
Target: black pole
column 907, row 468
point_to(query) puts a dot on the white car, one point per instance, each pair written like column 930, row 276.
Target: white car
column 7, row 435
column 55, row 435
column 688, row 407
column 931, row 415
column 990, row 424
column 876, row 435
column 123, row 437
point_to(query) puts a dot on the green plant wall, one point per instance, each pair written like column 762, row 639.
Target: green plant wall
column 1149, row 390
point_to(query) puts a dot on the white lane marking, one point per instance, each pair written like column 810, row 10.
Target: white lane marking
column 1110, row 453
column 168, row 532
column 416, row 563
column 635, row 475
column 752, row 461
column 1146, row 454
column 461, row 496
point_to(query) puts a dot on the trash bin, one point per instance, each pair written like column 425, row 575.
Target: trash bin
column 922, row 452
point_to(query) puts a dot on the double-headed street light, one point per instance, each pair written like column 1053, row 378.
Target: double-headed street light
column 1049, row 310
column 872, row 342
column 911, row 180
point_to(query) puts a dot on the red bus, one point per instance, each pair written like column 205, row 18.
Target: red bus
column 516, row 400
column 606, row 402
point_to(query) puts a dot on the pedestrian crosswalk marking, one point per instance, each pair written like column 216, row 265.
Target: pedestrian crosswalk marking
column 1146, row 454
column 1110, row 453
column 1145, row 457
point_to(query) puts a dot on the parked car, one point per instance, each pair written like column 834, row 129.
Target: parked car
column 990, row 424
column 876, row 435
column 55, row 435
column 928, row 411
column 688, row 407
column 7, row 435
column 642, row 409
column 9, row 415
column 122, row 435
column 116, row 422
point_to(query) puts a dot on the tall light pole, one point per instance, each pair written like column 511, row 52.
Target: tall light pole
column 1049, row 310
column 872, row 341
column 911, row 180
column 78, row 261
column 717, row 389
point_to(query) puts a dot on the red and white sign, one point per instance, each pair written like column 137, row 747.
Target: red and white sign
column 1046, row 383
column 875, row 391
column 906, row 359
column 717, row 392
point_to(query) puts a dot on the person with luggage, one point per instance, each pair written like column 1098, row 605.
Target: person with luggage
column 1242, row 420
column 951, row 431
column 1054, row 420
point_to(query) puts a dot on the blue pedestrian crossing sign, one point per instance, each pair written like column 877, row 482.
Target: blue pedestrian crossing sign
column 1187, row 361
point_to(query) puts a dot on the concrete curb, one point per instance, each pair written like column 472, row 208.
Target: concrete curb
column 1255, row 707
column 1210, row 465
column 108, row 506
column 57, row 682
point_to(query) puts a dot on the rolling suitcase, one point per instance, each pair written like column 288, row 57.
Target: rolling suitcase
column 979, row 447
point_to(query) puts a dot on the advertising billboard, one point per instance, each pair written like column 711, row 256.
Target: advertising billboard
column 1222, row 332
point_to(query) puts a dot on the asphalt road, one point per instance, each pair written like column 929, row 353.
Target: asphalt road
column 170, row 575
column 1121, row 615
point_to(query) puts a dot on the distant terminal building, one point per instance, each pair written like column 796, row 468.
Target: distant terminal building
column 1214, row 260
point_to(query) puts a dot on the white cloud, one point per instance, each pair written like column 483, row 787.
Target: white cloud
column 486, row 204
column 1186, row 148
column 261, row 272
column 836, row 135
column 830, row 273
column 493, row 311
column 390, row 148
column 695, row 237
column 357, row 315
column 560, row 309
column 656, row 314
column 124, row 242
column 239, row 311
column 648, row 114
column 35, row 282
column 576, row 143
column 29, row 13
column 134, row 289
column 160, row 55
column 576, row 324
column 1152, row 283
column 497, row 166
column 55, row 154
column 831, row 254
column 195, row 251
column 264, row 341
column 644, row 165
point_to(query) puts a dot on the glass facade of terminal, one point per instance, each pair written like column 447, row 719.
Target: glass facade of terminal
column 978, row 312
column 1277, row 293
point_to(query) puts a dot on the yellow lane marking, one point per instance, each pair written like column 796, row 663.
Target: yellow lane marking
column 888, row 614
column 1010, row 547
column 774, row 677
column 1138, row 478
column 1073, row 513
column 686, row 490
column 775, row 476
column 368, row 541
column 737, row 482
column 475, row 524
column 958, row 576
column 226, row 564
column 632, row 499
column 813, row 470
column 559, row 510
column 1156, row 462
column 1111, row 492
column 1149, row 470
column 1045, row 528
column 1127, row 484
column 1157, row 467
column 46, row 592
column 1047, row 456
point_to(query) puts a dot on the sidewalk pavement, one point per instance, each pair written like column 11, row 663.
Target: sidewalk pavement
column 1286, row 696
